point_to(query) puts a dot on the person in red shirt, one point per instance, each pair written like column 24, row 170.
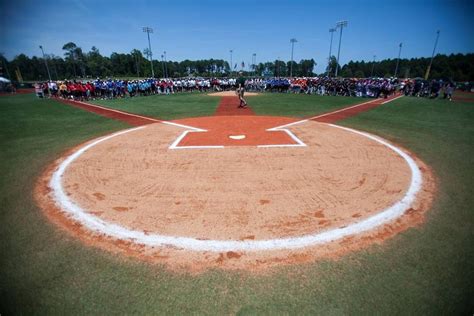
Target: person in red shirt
column 88, row 88
column 71, row 88
column 79, row 90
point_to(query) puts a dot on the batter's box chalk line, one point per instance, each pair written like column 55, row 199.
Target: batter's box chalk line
column 190, row 129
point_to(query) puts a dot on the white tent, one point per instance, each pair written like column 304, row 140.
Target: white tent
column 2, row 79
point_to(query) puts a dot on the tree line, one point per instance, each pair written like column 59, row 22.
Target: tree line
column 79, row 64
column 457, row 67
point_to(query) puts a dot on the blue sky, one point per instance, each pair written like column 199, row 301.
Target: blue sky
column 209, row 29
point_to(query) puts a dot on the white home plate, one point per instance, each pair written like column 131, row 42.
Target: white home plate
column 237, row 136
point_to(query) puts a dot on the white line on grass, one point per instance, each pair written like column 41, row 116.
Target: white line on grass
column 118, row 111
column 392, row 99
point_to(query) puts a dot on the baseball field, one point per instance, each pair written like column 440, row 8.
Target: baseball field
column 185, row 204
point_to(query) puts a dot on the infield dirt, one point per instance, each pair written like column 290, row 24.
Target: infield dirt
column 237, row 193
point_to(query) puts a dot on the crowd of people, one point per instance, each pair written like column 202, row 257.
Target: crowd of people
column 356, row 87
column 428, row 89
column 116, row 88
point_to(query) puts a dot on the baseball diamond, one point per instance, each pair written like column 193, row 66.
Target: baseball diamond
column 222, row 158
column 280, row 186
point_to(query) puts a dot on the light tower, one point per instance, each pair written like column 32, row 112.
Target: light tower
column 46, row 63
column 254, row 62
column 230, row 68
column 373, row 65
column 331, row 30
column 292, row 41
column 340, row 25
column 166, row 66
column 149, row 30
column 432, row 56
column 398, row 60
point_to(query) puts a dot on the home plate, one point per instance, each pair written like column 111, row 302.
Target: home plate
column 237, row 136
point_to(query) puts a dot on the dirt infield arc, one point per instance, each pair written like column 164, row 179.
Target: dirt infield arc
column 259, row 205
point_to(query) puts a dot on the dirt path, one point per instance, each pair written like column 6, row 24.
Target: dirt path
column 18, row 91
column 354, row 110
column 130, row 118
column 229, row 107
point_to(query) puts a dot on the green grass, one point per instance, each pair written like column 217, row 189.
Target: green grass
column 297, row 105
column 463, row 95
column 166, row 107
column 195, row 104
column 427, row 270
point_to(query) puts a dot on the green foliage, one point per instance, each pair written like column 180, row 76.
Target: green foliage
column 92, row 64
column 77, row 64
column 331, row 68
column 457, row 67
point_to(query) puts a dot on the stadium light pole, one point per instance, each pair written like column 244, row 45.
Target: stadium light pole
column 149, row 30
column 45, row 62
column 292, row 41
column 166, row 66
column 230, row 68
column 427, row 74
column 254, row 61
column 373, row 65
column 163, row 64
column 398, row 60
column 331, row 30
column 341, row 25
column 137, row 66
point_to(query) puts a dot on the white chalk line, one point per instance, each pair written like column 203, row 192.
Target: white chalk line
column 334, row 112
column 195, row 129
column 192, row 129
column 157, row 240
column 298, row 142
column 118, row 111
column 385, row 102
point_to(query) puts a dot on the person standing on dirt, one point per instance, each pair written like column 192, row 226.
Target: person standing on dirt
column 241, row 90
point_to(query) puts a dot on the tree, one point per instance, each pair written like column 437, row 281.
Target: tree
column 280, row 68
column 70, row 49
column 359, row 74
column 346, row 72
column 457, row 67
column 331, row 66
column 306, row 67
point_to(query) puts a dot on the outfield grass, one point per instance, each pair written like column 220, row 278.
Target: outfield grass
column 464, row 95
column 166, row 107
column 427, row 270
column 298, row 105
column 182, row 105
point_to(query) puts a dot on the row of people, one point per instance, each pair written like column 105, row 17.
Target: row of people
column 428, row 89
column 357, row 87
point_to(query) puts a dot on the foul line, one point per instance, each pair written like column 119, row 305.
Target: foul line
column 122, row 233
column 392, row 99
column 337, row 111
column 118, row 111
column 192, row 129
